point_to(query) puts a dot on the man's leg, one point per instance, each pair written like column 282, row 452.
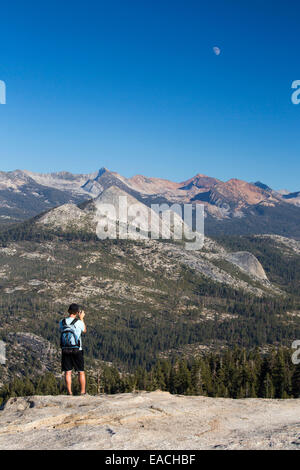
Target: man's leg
column 81, row 380
column 68, row 376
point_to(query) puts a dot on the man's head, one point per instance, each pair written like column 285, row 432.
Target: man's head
column 74, row 309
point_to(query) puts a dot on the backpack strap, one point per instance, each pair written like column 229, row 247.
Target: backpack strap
column 64, row 323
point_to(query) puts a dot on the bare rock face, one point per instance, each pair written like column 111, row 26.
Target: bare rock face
column 65, row 217
column 248, row 263
column 155, row 420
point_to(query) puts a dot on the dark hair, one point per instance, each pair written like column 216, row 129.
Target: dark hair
column 73, row 309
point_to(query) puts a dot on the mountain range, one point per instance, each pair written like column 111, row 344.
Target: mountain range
column 145, row 298
column 231, row 207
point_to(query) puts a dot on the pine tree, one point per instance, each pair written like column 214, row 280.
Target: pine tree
column 268, row 390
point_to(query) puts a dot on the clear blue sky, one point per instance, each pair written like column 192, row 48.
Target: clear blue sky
column 134, row 85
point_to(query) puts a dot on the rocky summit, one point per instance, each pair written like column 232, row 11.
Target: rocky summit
column 149, row 420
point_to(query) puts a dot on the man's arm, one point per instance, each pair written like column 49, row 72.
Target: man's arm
column 81, row 316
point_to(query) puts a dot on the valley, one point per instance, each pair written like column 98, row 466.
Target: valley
column 147, row 299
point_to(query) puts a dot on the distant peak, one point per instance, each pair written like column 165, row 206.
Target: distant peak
column 199, row 180
column 261, row 185
column 102, row 171
column 235, row 180
column 201, row 175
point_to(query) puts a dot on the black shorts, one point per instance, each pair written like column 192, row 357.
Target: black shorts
column 72, row 361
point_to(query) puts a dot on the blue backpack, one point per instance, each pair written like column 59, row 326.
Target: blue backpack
column 69, row 341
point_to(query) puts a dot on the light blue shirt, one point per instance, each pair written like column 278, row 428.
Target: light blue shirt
column 79, row 327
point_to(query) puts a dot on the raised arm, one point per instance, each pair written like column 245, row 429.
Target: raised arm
column 81, row 316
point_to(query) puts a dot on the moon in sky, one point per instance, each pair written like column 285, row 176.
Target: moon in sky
column 217, row 50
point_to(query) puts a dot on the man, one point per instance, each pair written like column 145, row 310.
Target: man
column 75, row 359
